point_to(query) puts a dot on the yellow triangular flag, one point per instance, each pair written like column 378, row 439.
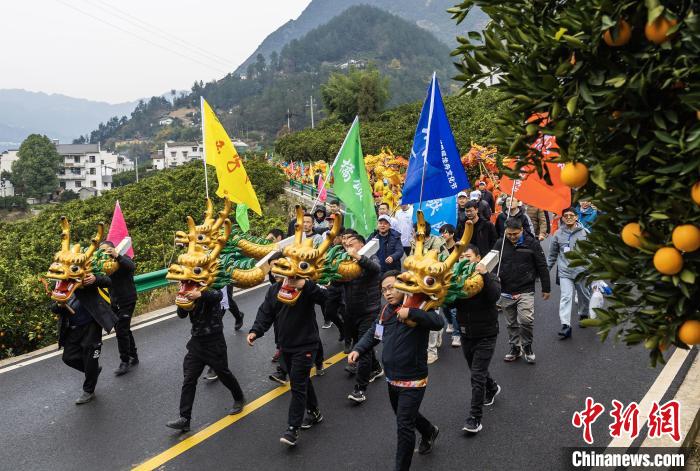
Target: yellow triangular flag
column 220, row 152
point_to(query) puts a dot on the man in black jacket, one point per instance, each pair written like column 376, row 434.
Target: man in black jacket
column 478, row 323
column 390, row 248
column 207, row 347
column 516, row 211
column 362, row 297
column 297, row 335
column 522, row 262
column 484, row 236
column 80, row 325
column 404, row 335
column 122, row 296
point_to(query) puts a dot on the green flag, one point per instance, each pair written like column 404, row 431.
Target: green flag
column 351, row 184
column 242, row 217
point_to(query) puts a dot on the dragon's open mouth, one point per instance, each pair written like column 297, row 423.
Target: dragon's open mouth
column 63, row 290
column 185, row 287
column 288, row 294
column 416, row 300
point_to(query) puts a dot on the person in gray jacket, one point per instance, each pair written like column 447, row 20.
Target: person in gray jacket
column 563, row 242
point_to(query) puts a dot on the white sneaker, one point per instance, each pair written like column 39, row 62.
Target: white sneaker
column 439, row 340
column 456, row 342
column 432, row 358
column 449, row 329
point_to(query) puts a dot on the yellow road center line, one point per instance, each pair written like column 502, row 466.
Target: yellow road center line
column 221, row 424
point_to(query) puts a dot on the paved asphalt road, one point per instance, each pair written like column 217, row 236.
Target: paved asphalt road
column 527, row 428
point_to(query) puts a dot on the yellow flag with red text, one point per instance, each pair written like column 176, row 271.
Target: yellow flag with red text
column 220, row 152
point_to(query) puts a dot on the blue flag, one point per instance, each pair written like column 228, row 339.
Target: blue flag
column 438, row 212
column 434, row 168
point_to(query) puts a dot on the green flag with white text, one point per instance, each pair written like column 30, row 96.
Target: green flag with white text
column 351, row 184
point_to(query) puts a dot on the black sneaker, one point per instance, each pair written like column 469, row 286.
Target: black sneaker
column 312, row 418
column 239, row 322
column 211, row 375
column 472, row 425
column 348, row 347
column 490, row 396
column 565, row 332
column 376, row 374
column 320, row 370
column 84, row 398
column 426, row 444
column 237, row 407
column 123, row 369
column 133, row 361
column 279, row 377
column 529, row 354
column 351, row 369
column 290, row 436
column 513, row 354
column 357, row 395
column 182, row 424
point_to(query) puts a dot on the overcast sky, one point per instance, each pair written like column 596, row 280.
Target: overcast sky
column 117, row 51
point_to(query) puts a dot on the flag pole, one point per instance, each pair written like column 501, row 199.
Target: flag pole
column 503, row 242
column 427, row 140
column 204, row 148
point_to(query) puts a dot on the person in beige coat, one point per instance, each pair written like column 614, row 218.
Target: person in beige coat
column 539, row 223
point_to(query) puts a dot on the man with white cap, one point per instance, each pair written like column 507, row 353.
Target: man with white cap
column 390, row 247
column 484, row 208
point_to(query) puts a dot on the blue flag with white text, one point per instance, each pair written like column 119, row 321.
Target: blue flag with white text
column 434, row 168
column 438, row 212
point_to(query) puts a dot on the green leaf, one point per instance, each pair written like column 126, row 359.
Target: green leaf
column 659, row 216
column 616, row 82
column 571, row 104
column 654, row 13
column 598, row 176
column 560, row 33
column 586, row 94
column 665, row 137
column 688, row 277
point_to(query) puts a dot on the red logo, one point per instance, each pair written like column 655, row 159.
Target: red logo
column 586, row 417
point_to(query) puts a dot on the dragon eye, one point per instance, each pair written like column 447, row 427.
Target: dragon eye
column 74, row 268
column 429, row 281
column 200, row 237
column 303, row 265
column 197, row 270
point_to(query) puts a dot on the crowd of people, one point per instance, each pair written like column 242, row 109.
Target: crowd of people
column 367, row 311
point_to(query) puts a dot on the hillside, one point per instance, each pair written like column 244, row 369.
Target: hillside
column 259, row 100
column 57, row 116
column 428, row 14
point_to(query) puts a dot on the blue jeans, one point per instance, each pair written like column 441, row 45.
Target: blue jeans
column 450, row 314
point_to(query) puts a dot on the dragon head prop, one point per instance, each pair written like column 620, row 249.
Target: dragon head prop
column 208, row 232
column 426, row 279
column 301, row 259
column 71, row 264
column 197, row 268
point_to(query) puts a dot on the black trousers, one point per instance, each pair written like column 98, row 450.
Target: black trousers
column 298, row 365
column 406, row 402
column 368, row 361
column 478, row 353
column 125, row 339
column 334, row 307
column 232, row 306
column 81, row 350
column 201, row 352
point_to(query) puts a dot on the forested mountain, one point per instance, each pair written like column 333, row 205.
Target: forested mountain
column 257, row 101
column 428, row 14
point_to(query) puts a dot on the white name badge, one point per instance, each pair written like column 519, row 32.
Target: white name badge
column 379, row 332
column 567, row 249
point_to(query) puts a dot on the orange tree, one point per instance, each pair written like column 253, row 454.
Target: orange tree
column 620, row 80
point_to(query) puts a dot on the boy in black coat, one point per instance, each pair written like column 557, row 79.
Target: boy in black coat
column 404, row 334
column 299, row 342
column 206, row 347
column 80, row 324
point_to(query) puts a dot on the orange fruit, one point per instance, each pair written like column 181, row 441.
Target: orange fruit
column 686, row 238
column 624, row 33
column 695, row 192
column 632, row 234
column 574, row 174
column 689, row 332
column 668, row 261
column 656, row 30
column 616, row 114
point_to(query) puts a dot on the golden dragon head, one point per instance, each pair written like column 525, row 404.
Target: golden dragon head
column 426, row 279
column 301, row 259
column 71, row 265
column 208, row 232
column 197, row 268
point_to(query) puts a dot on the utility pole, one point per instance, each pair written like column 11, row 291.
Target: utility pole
column 310, row 104
column 288, row 116
column 136, row 157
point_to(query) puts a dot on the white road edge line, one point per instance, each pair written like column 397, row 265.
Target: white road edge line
column 109, row 336
column 655, row 394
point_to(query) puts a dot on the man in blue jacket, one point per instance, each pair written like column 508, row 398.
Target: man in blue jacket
column 404, row 333
column 390, row 247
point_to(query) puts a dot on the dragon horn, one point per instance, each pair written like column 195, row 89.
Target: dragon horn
column 222, row 215
column 191, row 234
column 461, row 245
column 221, row 241
column 332, row 234
column 209, row 211
column 420, row 233
column 299, row 225
column 95, row 242
column 65, row 234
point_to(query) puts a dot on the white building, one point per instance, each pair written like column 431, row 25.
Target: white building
column 176, row 154
column 86, row 166
column 6, row 159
